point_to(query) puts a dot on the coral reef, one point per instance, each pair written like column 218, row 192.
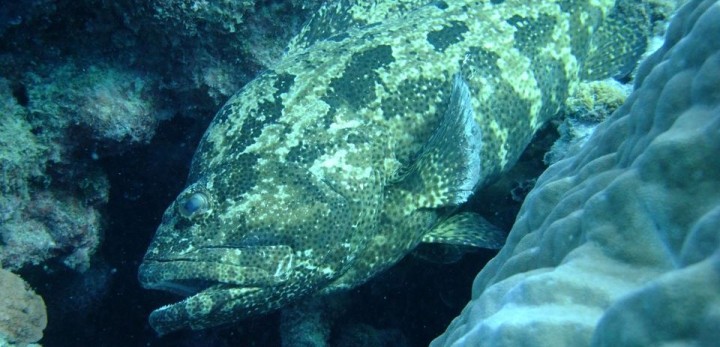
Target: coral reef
column 22, row 312
column 218, row 45
column 109, row 103
column 618, row 243
column 50, row 226
column 42, row 218
column 192, row 15
column 23, row 156
column 591, row 104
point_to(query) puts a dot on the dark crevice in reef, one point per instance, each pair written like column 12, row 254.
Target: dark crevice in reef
column 105, row 306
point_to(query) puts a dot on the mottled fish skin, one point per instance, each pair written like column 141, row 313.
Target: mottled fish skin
column 307, row 180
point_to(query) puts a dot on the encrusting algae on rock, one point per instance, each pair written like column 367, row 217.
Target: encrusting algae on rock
column 362, row 142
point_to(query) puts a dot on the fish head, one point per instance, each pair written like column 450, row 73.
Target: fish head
column 240, row 252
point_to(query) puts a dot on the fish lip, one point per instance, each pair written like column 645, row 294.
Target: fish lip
column 184, row 287
column 220, row 284
column 162, row 274
column 153, row 274
column 181, row 315
column 208, row 266
column 207, row 301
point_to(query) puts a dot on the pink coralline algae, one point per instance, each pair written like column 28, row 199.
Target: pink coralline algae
column 22, row 312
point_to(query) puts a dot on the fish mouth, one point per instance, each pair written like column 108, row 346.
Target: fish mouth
column 182, row 287
column 221, row 285
column 187, row 277
column 194, row 271
column 215, row 305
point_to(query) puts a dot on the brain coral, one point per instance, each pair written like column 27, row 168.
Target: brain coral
column 619, row 243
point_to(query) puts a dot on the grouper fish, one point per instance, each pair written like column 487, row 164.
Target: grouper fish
column 382, row 118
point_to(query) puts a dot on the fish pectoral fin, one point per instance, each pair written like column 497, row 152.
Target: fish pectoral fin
column 466, row 229
column 448, row 168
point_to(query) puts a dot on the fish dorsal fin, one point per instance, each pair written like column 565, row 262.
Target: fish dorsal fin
column 448, row 168
column 466, row 229
column 335, row 19
column 618, row 42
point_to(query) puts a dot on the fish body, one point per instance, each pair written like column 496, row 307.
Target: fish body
column 383, row 118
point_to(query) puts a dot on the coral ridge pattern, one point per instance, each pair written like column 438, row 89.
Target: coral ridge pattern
column 618, row 244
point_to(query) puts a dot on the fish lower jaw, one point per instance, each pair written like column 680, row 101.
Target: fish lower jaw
column 213, row 306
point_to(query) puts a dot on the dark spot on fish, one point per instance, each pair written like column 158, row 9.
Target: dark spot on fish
column 355, row 139
column 410, row 98
column 305, row 153
column 356, row 86
column 267, row 112
column 283, row 83
column 224, row 113
column 240, row 176
column 483, row 61
column 183, row 224
column 329, row 118
column 448, row 35
column 441, row 5
column 529, row 31
column 252, row 126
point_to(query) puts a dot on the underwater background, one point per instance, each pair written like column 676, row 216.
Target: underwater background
column 102, row 104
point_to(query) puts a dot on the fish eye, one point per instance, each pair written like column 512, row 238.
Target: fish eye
column 193, row 205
